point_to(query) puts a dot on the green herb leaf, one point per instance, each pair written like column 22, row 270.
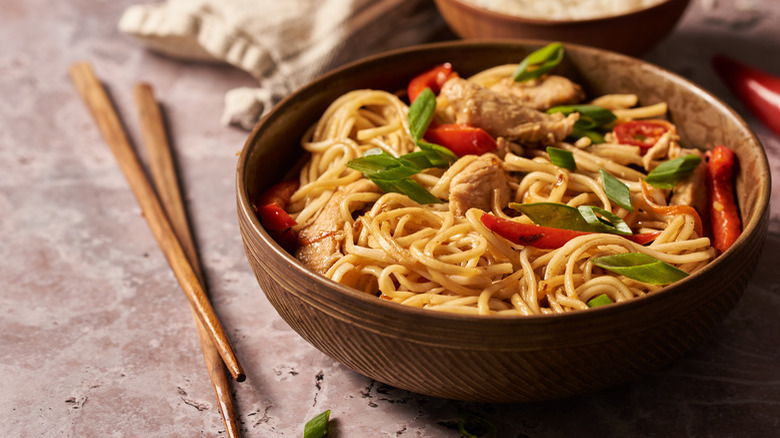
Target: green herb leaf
column 562, row 158
column 605, row 220
column 539, row 62
column 599, row 300
column 671, row 172
column 591, row 116
column 438, row 155
column 617, row 191
column 393, row 174
column 583, row 218
column 376, row 160
column 594, row 136
column 641, row 267
column 473, row 426
column 317, row 427
column 421, row 113
column 408, row 187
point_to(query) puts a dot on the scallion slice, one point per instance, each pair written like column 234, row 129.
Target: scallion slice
column 604, row 220
column 641, row 267
column 671, row 172
column 317, row 427
column 421, row 113
column 562, row 158
column 617, row 191
column 599, row 300
column 539, row 62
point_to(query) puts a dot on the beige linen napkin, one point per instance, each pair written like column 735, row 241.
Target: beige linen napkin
column 282, row 43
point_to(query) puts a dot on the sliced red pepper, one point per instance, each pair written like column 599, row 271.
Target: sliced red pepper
column 461, row 139
column 270, row 206
column 642, row 133
column 433, row 79
column 724, row 215
column 544, row 237
column 672, row 210
column 757, row 89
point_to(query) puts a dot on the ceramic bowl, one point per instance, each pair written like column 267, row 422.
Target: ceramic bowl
column 502, row 359
column 631, row 33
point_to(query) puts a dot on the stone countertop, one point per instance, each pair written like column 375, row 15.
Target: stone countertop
column 97, row 338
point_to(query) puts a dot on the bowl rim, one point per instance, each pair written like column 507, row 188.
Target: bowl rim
column 246, row 211
column 516, row 19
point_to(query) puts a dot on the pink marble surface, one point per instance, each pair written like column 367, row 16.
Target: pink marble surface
column 97, row 339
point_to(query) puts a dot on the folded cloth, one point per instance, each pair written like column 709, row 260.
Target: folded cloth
column 282, row 43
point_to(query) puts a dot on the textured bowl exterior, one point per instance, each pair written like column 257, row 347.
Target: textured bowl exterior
column 631, row 33
column 502, row 359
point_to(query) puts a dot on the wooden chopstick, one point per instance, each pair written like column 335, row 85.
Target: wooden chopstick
column 165, row 179
column 102, row 110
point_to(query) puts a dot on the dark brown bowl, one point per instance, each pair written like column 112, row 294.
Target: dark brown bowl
column 631, row 33
column 501, row 359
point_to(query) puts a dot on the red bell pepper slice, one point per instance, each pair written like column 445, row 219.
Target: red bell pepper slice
column 757, row 89
column 545, row 237
column 724, row 215
column 270, row 206
column 461, row 139
column 433, row 79
column 672, row 210
column 642, row 133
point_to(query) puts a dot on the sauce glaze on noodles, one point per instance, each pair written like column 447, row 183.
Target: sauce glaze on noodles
column 426, row 256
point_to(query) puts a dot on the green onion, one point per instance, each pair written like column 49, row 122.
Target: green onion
column 408, row 187
column 617, row 191
column 393, row 174
column 562, row 216
column 438, row 155
column 671, row 172
column 561, row 158
column 641, row 267
column 539, row 62
column 599, row 300
column 421, row 113
column 592, row 119
column 473, row 426
column 317, row 427
column 591, row 116
column 598, row 218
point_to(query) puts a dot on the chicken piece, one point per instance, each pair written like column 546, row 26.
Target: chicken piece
column 504, row 115
column 542, row 94
column 477, row 184
column 319, row 241
column 693, row 190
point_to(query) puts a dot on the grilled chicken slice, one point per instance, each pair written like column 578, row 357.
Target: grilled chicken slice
column 319, row 241
column 542, row 94
column 477, row 184
column 504, row 115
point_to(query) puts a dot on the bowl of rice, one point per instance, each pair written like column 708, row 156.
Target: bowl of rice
column 626, row 26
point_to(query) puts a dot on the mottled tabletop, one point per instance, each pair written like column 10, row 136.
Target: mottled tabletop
column 96, row 338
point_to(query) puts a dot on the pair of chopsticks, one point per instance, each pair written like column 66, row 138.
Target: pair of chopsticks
column 167, row 219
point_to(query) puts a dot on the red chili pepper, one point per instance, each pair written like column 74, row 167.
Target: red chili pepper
column 461, row 139
column 726, row 224
column 544, row 237
column 433, row 79
column 642, row 133
column 270, row 206
column 757, row 89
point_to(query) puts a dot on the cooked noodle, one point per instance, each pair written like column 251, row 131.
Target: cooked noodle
column 429, row 257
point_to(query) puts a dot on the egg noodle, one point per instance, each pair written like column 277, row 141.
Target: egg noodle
column 430, row 257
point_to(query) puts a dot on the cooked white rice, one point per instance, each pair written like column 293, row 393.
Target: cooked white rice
column 564, row 9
